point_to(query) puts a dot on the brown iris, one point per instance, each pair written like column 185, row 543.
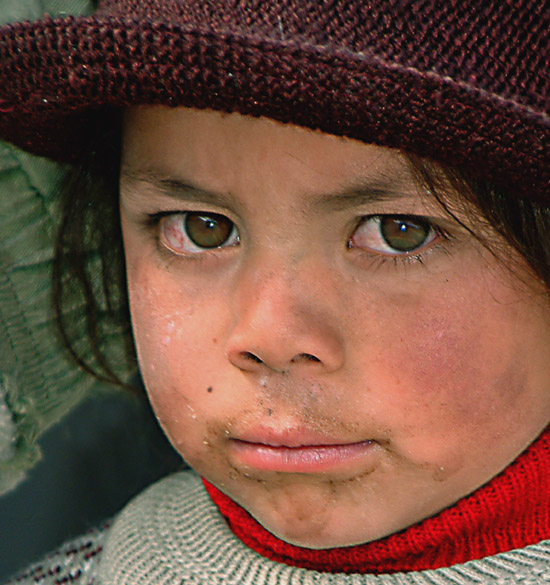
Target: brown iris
column 404, row 234
column 208, row 231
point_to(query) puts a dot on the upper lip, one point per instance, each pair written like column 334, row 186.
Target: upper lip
column 292, row 437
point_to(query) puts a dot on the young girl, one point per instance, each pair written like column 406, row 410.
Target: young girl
column 332, row 222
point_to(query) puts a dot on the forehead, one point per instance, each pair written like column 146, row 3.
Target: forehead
column 235, row 153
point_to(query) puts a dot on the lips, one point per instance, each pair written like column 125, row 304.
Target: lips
column 292, row 437
column 298, row 451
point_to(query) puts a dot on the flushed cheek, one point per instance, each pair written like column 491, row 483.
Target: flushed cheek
column 437, row 380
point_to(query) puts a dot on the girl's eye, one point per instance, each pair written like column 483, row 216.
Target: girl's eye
column 393, row 234
column 195, row 231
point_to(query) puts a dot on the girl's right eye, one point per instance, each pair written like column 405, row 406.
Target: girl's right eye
column 196, row 231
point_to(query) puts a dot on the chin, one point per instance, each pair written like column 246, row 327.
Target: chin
column 312, row 514
column 319, row 539
column 316, row 532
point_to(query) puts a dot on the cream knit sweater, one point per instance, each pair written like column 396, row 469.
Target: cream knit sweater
column 173, row 534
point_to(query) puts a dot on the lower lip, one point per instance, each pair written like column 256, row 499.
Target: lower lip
column 306, row 459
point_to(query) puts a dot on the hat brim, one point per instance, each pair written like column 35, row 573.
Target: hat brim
column 53, row 73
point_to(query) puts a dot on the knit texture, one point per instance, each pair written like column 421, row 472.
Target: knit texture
column 462, row 82
column 39, row 383
column 174, row 534
column 74, row 562
column 509, row 512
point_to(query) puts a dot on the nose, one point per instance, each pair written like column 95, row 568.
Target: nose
column 284, row 322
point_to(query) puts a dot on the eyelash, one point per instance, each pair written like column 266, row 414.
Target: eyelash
column 376, row 259
column 152, row 223
column 439, row 244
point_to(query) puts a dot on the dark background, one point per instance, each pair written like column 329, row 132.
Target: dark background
column 93, row 462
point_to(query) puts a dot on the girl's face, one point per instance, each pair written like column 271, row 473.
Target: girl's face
column 317, row 338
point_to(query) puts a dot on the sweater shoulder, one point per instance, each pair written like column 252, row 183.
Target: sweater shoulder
column 76, row 561
column 174, row 533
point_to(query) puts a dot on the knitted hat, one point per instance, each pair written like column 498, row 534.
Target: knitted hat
column 465, row 82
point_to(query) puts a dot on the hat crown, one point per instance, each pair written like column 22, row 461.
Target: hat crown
column 465, row 82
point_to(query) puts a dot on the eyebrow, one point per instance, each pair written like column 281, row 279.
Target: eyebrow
column 176, row 188
column 364, row 192
column 359, row 194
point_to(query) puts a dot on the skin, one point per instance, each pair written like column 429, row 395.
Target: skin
column 438, row 357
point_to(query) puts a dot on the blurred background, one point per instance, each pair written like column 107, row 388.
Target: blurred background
column 72, row 452
column 104, row 452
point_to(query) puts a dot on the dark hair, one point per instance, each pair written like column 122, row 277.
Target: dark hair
column 522, row 223
column 90, row 295
column 89, row 286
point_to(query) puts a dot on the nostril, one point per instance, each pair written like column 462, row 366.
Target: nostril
column 246, row 360
column 305, row 357
column 247, row 355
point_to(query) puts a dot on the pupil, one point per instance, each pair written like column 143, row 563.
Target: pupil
column 404, row 235
column 208, row 231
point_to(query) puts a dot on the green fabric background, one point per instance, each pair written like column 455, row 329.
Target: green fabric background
column 38, row 382
column 15, row 10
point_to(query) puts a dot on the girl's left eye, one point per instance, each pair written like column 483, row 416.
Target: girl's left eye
column 394, row 235
column 195, row 231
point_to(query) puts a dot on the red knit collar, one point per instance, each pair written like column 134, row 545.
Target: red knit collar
column 509, row 512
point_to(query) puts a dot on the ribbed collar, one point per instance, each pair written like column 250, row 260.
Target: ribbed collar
column 510, row 512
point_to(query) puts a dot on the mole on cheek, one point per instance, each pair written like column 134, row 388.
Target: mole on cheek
column 210, row 389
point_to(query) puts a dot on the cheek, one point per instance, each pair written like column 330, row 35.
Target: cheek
column 434, row 361
column 431, row 371
column 173, row 321
column 177, row 349
column 159, row 316
column 448, row 375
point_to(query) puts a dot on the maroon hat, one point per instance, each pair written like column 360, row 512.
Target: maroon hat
column 465, row 82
